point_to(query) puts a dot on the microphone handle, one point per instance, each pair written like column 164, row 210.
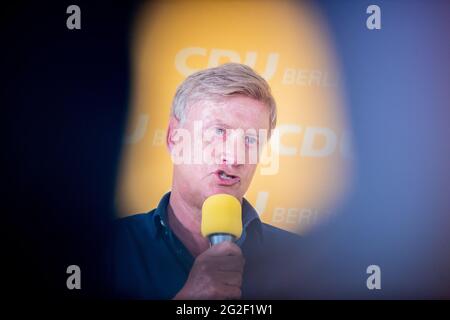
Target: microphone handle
column 220, row 237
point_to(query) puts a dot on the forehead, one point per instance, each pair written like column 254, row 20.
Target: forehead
column 235, row 112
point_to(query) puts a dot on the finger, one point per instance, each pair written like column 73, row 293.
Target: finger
column 232, row 292
column 230, row 278
column 224, row 249
column 224, row 263
column 231, row 263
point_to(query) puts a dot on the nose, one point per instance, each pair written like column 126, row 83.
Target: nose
column 232, row 152
column 229, row 158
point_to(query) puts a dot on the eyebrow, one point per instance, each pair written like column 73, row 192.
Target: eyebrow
column 218, row 121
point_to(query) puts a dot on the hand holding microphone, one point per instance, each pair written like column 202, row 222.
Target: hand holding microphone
column 217, row 272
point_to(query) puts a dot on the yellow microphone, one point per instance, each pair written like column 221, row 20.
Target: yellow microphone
column 221, row 218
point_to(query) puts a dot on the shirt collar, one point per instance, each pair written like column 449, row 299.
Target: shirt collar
column 250, row 218
column 160, row 215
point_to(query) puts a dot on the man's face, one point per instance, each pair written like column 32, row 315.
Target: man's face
column 230, row 136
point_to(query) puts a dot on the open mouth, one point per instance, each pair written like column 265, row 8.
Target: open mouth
column 225, row 178
column 224, row 175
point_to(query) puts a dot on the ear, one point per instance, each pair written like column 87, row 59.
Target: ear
column 173, row 124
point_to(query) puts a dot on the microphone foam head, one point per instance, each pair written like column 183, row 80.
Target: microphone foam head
column 221, row 213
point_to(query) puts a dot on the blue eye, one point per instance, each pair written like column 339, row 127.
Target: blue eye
column 220, row 131
column 250, row 140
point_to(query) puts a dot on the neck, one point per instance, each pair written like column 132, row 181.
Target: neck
column 187, row 227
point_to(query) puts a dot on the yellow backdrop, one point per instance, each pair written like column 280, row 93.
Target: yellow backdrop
column 285, row 42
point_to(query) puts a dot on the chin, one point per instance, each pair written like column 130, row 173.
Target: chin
column 223, row 189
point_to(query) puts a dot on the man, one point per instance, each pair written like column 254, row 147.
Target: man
column 162, row 254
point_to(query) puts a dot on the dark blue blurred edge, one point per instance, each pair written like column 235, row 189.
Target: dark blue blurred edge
column 64, row 107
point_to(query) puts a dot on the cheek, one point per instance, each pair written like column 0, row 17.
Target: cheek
column 249, row 172
column 190, row 172
column 200, row 174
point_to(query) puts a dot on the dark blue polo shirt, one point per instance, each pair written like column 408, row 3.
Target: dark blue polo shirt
column 150, row 262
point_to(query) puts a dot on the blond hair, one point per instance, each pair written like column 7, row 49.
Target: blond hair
column 225, row 80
